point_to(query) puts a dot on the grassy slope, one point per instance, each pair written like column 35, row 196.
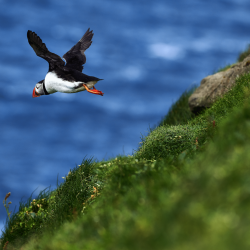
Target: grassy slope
column 169, row 140
column 185, row 188
column 199, row 203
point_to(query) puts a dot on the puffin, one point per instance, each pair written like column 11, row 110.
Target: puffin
column 64, row 76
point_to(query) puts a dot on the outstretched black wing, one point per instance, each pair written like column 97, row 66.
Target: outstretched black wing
column 41, row 50
column 75, row 57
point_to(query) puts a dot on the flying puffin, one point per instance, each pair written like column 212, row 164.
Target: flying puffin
column 66, row 78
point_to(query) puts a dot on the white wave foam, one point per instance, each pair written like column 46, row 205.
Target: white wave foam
column 166, row 51
column 132, row 73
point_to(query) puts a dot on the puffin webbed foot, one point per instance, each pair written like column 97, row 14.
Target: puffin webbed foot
column 93, row 91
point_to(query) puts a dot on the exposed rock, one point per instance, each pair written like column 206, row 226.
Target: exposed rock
column 216, row 85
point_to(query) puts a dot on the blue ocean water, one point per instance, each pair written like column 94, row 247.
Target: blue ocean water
column 147, row 52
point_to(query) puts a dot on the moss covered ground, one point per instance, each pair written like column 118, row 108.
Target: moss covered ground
column 186, row 187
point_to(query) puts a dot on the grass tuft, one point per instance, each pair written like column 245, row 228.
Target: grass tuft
column 179, row 113
column 244, row 54
column 170, row 141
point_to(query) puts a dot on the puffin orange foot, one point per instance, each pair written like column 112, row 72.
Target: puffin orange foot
column 93, row 91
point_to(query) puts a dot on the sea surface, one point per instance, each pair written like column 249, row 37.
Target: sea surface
column 147, row 52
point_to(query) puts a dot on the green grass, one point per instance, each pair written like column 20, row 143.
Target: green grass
column 52, row 208
column 179, row 113
column 228, row 66
column 241, row 57
column 244, row 54
column 186, row 187
column 171, row 204
column 170, row 141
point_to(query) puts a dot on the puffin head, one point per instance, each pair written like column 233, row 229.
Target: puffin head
column 39, row 89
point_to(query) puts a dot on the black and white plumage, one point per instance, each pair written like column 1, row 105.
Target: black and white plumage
column 61, row 77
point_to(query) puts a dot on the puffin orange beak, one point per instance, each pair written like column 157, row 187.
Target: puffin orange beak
column 35, row 94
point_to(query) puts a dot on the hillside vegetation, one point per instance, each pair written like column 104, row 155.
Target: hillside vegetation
column 186, row 187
